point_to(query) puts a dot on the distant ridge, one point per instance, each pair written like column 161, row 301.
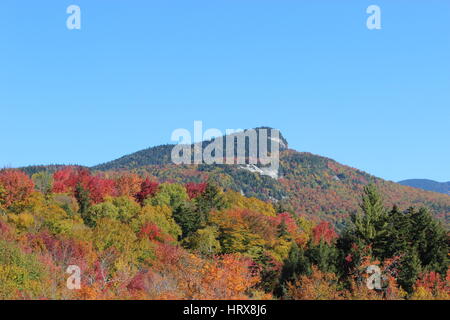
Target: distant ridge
column 428, row 185
column 51, row 168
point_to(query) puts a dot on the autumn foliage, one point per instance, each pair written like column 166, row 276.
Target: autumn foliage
column 195, row 189
column 15, row 186
column 135, row 238
column 66, row 180
column 148, row 188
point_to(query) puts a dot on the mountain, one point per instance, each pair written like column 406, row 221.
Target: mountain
column 161, row 155
column 429, row 185
column 308, row 184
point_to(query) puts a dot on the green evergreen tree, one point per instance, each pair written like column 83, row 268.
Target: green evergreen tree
column 188, row 218
column 397, row 238
column 372, row 221
column 409, row 270
column 429, row 238
column 83, row 199
column 211, row 199
column 322, row 255
column 296, row 264
column 282, row 229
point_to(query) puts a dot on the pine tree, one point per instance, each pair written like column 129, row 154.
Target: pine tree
column 397, row 238
column 282, row 229
column 430, row 239
column 211, row 199
column 323, row 256
column 188, row 218
column 409, row 270
column 296, row 264
column 370, row 223
column 371, row 226
column 83, row 199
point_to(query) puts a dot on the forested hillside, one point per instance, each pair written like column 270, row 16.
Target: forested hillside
column 161, row 155
column 307, row 184
column 133, row 237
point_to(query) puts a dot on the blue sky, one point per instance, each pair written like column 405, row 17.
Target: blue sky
column 377, row 100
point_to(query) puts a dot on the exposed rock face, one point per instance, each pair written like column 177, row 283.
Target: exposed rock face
column 265, row 171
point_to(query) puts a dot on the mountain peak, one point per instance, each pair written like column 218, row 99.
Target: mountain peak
column 162, row 154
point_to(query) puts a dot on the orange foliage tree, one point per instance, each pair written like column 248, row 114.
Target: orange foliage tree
column 16, row 185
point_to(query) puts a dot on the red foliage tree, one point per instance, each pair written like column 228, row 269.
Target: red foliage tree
column 324, row 232
column 148, row 189
column 150, row 231
column 99, row 188
column 64, row 251
column 138, row 283
column 195, row 189
column 17, row 186
column 66, row 180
